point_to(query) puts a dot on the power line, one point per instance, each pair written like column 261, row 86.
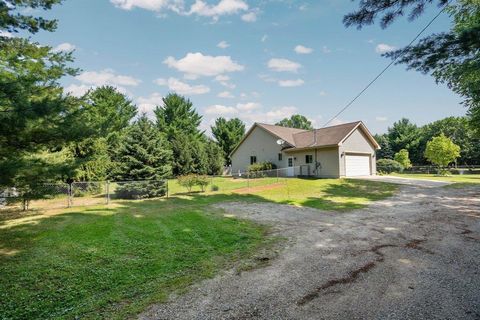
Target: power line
column 387, row 67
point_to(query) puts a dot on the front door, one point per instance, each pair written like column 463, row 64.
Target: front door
column 291, row 168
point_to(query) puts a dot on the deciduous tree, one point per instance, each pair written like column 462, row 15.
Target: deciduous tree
column 296, row 121
column 228, row 134
column 441, row 151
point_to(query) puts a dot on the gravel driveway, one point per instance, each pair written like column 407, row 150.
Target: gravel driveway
column 413, row 256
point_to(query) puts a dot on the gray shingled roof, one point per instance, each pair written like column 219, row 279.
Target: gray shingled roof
column 329, row 136
column 283, row 133
column 300, row 139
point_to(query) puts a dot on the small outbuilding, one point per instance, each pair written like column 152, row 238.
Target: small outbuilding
column 344, row 150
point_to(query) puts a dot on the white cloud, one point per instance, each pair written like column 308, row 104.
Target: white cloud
column 65, row 47
column 326, row 49
column 303, row 50
column 291, row 83
column 248, row 107
column 226, row 95
column 222, row 77
column 152, row 5
column 148, row 104
column 106, row 77
column 223, row 45
column 250, row 17
column 280, row 65
column 77, row 90
column 384, row 48
column 194, row 65
column 381, row 119
column 6, row 34
column 264, row 38
column 93, row 79
column 223, row 7
column 281, row 112
column 182, row 87
column 322, row 93
column 198, row 8
column 219, row 110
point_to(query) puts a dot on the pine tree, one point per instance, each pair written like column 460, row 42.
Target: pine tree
column 144, row 155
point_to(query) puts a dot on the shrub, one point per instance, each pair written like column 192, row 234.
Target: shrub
column 140, row 190
column 214, row 187
column 190, row 180
column 388, row 166
column 202, row 182
column 187, row 181
column 255, row 170
column 402, row 157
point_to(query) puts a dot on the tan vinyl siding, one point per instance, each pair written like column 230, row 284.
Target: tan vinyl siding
column 357, row 143
column 328, row 158
column 261, row 144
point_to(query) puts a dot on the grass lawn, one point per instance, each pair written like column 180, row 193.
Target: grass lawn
column 325, row 194
column 463, row 178
column 112, row 262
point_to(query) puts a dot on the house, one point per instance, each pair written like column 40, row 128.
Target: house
column 344, row 150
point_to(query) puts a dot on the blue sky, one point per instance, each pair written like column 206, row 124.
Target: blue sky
column 256, row 60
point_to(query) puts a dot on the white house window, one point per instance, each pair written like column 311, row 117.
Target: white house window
column 308, row 158
column 280, row 157
column 253, row 159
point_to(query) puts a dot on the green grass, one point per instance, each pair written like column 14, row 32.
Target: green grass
column 114, row 262
column 325, row 194
column 464, row 178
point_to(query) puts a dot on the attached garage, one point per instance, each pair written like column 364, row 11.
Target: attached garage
column 357, row 165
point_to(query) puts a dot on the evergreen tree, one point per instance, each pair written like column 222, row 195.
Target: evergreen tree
column 176, row 116
column 385, row 151
column 405, row 135
column 228, row 134
column 144, row 155
column 214, row 156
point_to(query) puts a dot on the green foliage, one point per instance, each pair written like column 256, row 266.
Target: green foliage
column 388, row 166
column 190, row 180
column 255, row 170
column 404, row 135
column 385, row 151
column 13, row 15
column 141, row 189
column 215, row 160
column 450, row 57
column 177, row 116
column 106, row 110
column 441, row 151
column 228, row 134
column 402, row 158
column 144, row 154
column 296, row 121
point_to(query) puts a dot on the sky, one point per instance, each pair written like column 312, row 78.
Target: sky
column 259, row 61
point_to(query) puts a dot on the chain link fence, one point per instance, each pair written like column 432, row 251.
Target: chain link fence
column 91, row 193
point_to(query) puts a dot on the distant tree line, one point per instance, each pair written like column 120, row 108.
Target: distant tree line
column 405, row 135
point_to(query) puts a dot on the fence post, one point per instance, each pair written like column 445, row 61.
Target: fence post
column 167, row 187
column 70, row 195
column 107, row 189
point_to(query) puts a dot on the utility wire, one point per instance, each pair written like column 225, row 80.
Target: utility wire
column 386, row 68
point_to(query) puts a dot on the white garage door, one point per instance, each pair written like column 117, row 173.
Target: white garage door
column 357, row 165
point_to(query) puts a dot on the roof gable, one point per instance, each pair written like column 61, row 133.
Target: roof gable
column 317, row 138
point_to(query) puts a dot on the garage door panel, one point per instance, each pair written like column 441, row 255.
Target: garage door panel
column 357, row 165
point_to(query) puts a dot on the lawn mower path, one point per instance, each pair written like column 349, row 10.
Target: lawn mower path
column 415, row 255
